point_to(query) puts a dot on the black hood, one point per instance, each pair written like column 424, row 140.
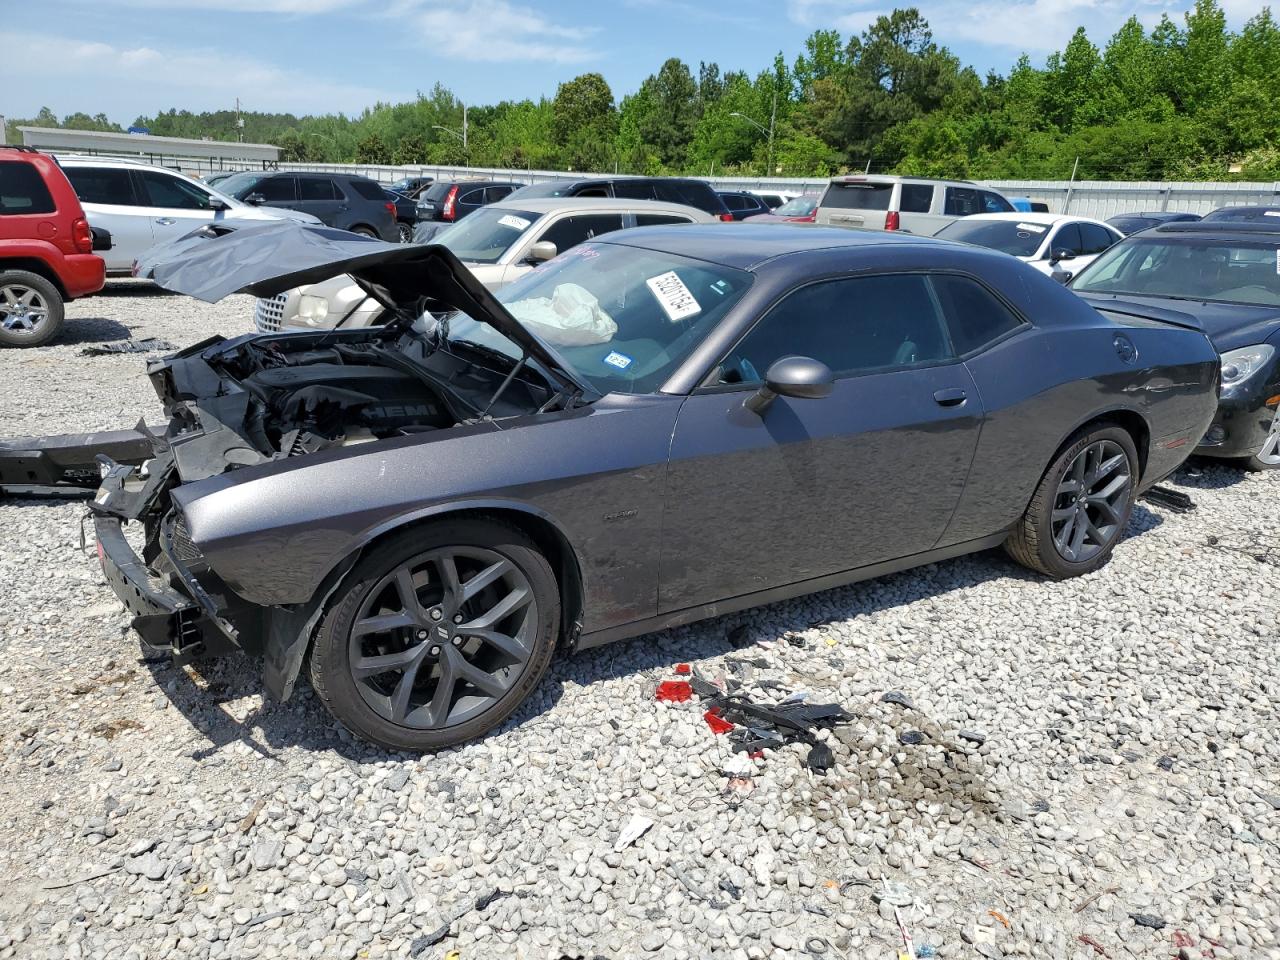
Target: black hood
column 1228, row 325
column 273, row 257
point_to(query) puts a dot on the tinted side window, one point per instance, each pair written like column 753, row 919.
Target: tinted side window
column 315, row 188
column 102, row 185
column 163, row 190
column 472, row 198
column 659, row 219
column 853, row 325
column 1067, row 238
column 494, row 194
column 994, row 203
column 1095, row 239
column 974, row 316
column 571, row 231
column 592, row 190
column 634, row 189
column 279, row 189
column 916, row 198
column 688, row 192
column 963, row 202
column 858, row 196
column 22, row 190
column 366, row 188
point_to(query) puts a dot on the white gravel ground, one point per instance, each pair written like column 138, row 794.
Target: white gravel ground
column 1131, row 763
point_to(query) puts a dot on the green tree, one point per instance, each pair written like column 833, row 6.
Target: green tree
column 666, row 112
column 584, row 122
column 371, row 149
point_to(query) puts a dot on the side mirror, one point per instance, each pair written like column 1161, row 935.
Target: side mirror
column 101, row 238
column 799, row 377
column 217, row 203
column 1061, row 253
column 542, row 251
column 255, row 199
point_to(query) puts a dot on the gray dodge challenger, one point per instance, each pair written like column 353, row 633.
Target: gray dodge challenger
column 666, row 424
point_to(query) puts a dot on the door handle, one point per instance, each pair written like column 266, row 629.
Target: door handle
column 951, row 397
column 166, row 221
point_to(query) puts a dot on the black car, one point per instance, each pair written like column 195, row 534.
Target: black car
column 1227, row 276
column 411, row 187
column 1128, row 223
column 447, row 201
column 343, row 200
column 1253, row 212
column 742, row 204
column 743, row 416
column 406, row 213
column 691, row 193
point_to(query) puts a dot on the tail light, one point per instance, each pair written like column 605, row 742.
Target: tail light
column 449, row 211
column 81, row 235
column 391, row 209
column 891, row 221
column 727, row 217
column 811, row 218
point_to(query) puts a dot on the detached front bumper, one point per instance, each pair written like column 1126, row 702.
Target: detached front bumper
column 171, row 611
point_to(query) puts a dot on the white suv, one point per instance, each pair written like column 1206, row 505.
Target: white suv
column 142, row 205
column 910, row 204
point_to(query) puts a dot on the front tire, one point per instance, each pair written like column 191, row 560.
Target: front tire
column 1081, row 507
column 31, row 309
column 439, row 634
column 1268, row 456
column 406, row 232
column 365, row 232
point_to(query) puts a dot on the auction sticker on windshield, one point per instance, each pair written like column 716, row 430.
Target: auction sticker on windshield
column 1033, row 227
column 676, row 300
column 514, row 222
column 619, row 360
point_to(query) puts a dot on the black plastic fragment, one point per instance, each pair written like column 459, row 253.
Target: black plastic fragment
column 419, row 944
column 485, row 899
column 145, row 345
column 973, row 736
column 1165, row 763
column 820, row 758
column 1147, row 920
column 731, row 888
column 1174, row 500
column 901, row 699
column 912, row 738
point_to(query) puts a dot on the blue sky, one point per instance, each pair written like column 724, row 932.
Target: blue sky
column 131, row 57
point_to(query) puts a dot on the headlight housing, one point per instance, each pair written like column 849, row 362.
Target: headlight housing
column 1239, row 365
column 312, row 310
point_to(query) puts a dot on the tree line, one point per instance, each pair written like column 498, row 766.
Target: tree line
column 1183, row 101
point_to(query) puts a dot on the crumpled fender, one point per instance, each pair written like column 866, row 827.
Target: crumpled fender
column 289, row 633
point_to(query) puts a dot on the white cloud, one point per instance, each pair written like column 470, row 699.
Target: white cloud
column 1033, row 26
column 125, row 82
column 499, row 32
column 287, row 7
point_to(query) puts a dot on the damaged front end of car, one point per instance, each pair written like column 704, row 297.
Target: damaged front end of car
column 255, row 403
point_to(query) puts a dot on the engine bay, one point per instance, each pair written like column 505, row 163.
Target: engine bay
column 252, row 400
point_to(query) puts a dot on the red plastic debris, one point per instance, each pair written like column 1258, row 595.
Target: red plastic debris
column 717, row 723
column 674, row 691
column 683, row 669
column 1182, row 939
column 756, row 754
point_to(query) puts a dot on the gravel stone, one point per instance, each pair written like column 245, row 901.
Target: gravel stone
column 126, row 782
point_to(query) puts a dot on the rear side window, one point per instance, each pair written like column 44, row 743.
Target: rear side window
column 316, row 188
column 1067, row 238
column 22, row 190
column 634, row 189
column 592, row 190
column 103, row 185
column 366, row 188
column 974, row 316
column 916, row 198
column 994, row 203
column 437, row 191
column 472, row 198
column 963, row 202
column 278, row 189
column 494, row 194
column 858, row 196
column 659, row 219
column 1094, row 238
column 690, row 193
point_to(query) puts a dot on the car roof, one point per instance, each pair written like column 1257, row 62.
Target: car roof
column 896, row 178
column 1154, row 214
column 82, row 160
column 546, row 205
column 1218, row 229
column 1020, row 216
column 745, row 247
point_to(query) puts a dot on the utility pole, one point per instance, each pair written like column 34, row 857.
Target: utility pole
column 773, row 116
column 1066, row 207
column 239, row 123
column 465, row 153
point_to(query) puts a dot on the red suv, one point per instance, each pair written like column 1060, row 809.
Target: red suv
column 46, row 248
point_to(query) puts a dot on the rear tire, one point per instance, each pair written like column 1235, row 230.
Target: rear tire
column 1081, row 507
column 406, row 232
column 365, row 232
column 31, row 309
column 414, row 657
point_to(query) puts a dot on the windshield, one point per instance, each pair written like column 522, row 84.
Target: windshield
column 1132, row 224
column 799, row 207
column 487, row 234
column 239, row 185
column 1188, row 269
column 620, row 317
column 1245, row 213
column 858, row 196
column 1008, row 236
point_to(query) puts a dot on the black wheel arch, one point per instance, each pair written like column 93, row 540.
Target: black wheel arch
column 1132, row 422
column 36, row 266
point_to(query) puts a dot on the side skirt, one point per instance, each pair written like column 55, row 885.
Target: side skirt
column 677, row 618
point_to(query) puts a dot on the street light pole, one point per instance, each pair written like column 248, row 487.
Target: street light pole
column 773, row 115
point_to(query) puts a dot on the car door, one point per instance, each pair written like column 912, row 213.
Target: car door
column 110, row 201
column 813, row 487
column 1066, row 239
column 319, row 197
column 175, row 205
column 1094, row 239
column 277, row 191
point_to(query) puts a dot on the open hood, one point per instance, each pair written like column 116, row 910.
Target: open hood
column 268, row 259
